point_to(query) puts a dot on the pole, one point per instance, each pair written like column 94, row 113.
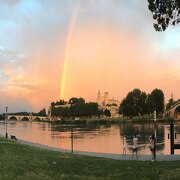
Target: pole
column 155, row 124
column 172, row 137
column 6, row 119
column 71, row 137
column 155, row 115
column 71, row 101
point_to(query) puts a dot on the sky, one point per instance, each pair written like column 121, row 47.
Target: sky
column 58, row 49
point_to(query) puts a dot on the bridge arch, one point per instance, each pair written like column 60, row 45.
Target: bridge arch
column 25, row 118
column 173, row 111
column 12, row 118
column 37, row 119
column 177, row 113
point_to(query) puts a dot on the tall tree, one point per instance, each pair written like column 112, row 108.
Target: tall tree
column 165, row 12
column 150, row 106
column 134, row 104
column 157, row 101
column 143, row 103
column 42, row 112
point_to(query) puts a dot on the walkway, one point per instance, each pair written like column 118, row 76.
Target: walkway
column 105, row 155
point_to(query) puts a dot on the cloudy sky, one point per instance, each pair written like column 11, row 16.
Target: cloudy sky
column 58, row 49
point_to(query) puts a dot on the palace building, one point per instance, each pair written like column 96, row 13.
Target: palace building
column 111, row 104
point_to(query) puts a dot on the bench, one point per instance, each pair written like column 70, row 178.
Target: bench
column 13, row 137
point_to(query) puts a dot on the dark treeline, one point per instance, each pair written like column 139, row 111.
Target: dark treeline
column 2, row 116
column 40, row 113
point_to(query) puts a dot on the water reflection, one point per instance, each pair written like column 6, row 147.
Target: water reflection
column 143, row 131
column 94, row 137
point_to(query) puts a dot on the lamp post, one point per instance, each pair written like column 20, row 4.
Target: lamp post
column 71, row 102
column 6, row 120
column 155, row 123
column 172, row 136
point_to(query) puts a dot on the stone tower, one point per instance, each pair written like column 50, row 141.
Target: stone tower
column 172, row 96
column 106, row 97
column 98, row 95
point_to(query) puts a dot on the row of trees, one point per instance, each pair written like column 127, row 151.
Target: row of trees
column 40, row 113
column 77, row 108
column 61, row 102
column 138, row 103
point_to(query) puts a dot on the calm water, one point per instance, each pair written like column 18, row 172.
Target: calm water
column 93, row 137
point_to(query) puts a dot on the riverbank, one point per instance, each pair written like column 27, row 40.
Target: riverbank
column 104, row 155
column 111, row 121
column 22, row 161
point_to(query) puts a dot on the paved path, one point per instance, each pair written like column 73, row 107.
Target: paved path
column 106, row 155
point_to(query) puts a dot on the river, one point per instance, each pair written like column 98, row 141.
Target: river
column 103, row 138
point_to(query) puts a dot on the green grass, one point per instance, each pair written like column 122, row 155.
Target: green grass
column 19, row 161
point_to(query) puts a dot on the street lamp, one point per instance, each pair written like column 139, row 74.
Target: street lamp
column 154, row 115
column 155, row 123
column 71, row 102
column 6, row 121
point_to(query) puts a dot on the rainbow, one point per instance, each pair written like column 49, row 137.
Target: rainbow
column 67, row 49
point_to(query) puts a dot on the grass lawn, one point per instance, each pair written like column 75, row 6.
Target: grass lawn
column 19, row 161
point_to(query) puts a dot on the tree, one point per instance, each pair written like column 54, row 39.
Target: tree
column 134, row 104
column 126, row 107
column 129, row 104
column 2, row 116
column 165, row 13
column 52, row 104
column 170, row 103
column 60, row 102
column 107, row 113
column 92, row 109
column 149, row 102
column 20, row 113
column 157, row 101
column 78, row 109
column 42, row 112
column 143, row 103
column 53, row 110
column 122, row 108
column 75, row 100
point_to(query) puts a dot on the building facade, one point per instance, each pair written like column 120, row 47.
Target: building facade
column 105, row 103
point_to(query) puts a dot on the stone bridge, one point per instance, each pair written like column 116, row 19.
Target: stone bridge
column 26, row 118
column 174, row 111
